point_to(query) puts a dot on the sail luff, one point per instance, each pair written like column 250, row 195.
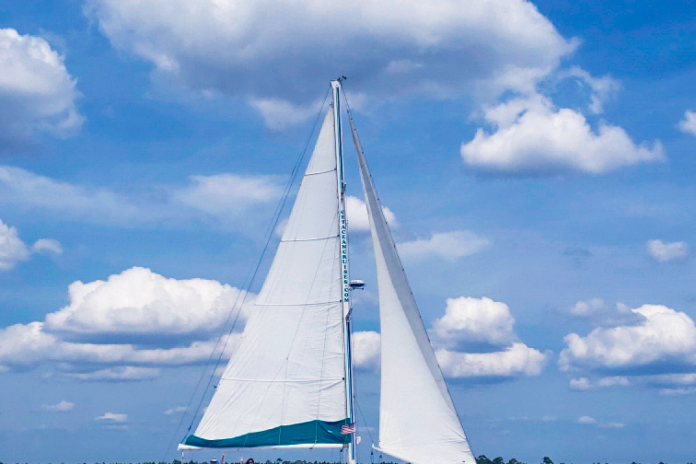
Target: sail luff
column 418, row 421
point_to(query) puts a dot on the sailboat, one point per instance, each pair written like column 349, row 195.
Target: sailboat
column 289, row 384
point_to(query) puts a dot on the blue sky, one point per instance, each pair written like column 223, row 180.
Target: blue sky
column 537, row 160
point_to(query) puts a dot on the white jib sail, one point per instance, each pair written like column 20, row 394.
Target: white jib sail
column 285, row 384
column 418, row 422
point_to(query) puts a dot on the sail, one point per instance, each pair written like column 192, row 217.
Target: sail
column 285, row 385
column 418, row 422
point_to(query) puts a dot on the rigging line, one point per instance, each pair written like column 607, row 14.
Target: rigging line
column 367, row 428
column 248, row 281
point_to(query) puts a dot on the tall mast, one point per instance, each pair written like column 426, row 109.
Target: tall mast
column 336, row 88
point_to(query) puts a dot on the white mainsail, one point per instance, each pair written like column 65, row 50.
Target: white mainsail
column 417, row 419
column 286, row 383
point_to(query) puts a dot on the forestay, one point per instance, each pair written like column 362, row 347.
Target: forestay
column 418, row 422
column 285, row 384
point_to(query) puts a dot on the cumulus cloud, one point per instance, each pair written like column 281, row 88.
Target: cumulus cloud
column 277, row 54
column 113, row 330
column 467, row 320
column 26, row 346
column 141, row 302
column 366, row 349
column 62, row 406
column 534, row 137
column 472, row 321
column 475, row 320
column 112, row 417
column 12, row 249
column 688, row 124
column 37, row 94
column 356, row 212
column 445, row 245
column 664, row 252
column 517, row 359
column 664, row 338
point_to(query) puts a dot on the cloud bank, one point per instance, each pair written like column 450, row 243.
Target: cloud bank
column 468, row 321
column 280, row 53
column 124, row 328
column 663, row 340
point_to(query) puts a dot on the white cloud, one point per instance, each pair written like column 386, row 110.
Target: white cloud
column 112, row 417
column 62, row 406
column 251, row 49
column 37, row 94
column 586, row 420
column 446, row 245
column 93, row 338
column 366, row 349
column 517, row 359
column 25, row 346
column 12, row 248
column 677, row 391
column 615, row 381
column 663, row 336
column 175, row 410
column 688, row 124
column 117, row 374
column 602, row 88
column 534, row 137
column 583, row 383
column 47, row 245
column 227, row 193
column 475, row 320
column 356, row 212
column 586, row 308
column 224, row 197
column 139, row 301
column 466, row 320
column 281, row 114
column 664, row 252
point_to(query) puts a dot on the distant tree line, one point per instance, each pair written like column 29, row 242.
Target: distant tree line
column 483, row 459
column 546, row 460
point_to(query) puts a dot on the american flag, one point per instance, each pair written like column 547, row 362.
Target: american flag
column 347, row 429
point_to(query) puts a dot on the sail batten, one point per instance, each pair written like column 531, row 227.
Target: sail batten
column 418, row 422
